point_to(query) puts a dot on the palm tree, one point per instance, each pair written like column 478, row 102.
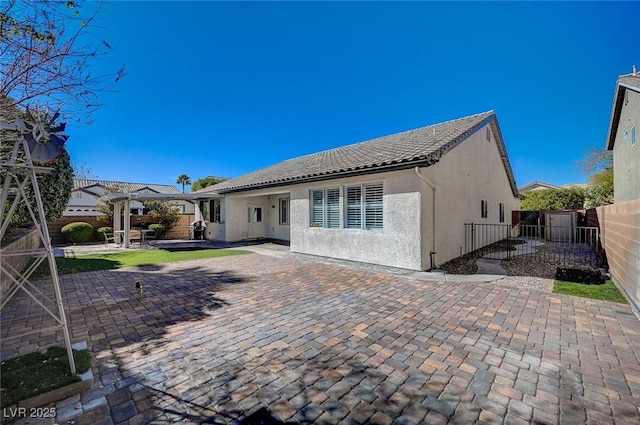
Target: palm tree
column 184, row 179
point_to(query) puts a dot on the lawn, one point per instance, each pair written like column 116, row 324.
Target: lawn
column 93, row 262
column 36, row 373
column 605, row 292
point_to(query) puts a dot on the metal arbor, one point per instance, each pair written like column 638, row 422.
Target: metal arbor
column 43, row 142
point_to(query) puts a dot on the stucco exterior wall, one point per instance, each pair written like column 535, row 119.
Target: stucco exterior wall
column 626, row 156
column 234, row 212
column 397, row 244
column 470, row 172
column 275, row 230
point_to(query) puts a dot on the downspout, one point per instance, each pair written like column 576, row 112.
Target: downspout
column 432, row 254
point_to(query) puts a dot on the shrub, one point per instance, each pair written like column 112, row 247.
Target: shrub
column 105, row 230
column 158, row 228
column 167, row 213
column 78, row 232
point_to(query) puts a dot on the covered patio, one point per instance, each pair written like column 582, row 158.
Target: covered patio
column 122, row 206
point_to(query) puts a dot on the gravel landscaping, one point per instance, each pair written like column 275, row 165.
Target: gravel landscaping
column 532, row 271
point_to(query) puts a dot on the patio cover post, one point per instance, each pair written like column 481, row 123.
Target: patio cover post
column 117, row 218
column 127, row 222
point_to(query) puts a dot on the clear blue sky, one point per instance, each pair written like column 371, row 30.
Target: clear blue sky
column 227, row 88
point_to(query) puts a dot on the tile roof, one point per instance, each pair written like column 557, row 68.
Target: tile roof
column 630, row 80
column 419, row 147
column 625, row 82
column 127, row 187
column 537, row 184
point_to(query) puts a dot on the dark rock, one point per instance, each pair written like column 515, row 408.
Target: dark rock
column 588, row 277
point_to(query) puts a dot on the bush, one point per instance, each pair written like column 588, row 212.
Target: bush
column 78, row 232
column 159, row 229
column 105, row 230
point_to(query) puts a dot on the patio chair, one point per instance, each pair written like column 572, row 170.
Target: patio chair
column 108, row 237
column 149, row 234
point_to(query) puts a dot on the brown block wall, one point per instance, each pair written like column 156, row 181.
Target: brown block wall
column 30, row 241
column 181, row 231
column 620, row 234
column 55, row 226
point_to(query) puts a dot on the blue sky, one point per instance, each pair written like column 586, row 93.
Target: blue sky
column 215, row 88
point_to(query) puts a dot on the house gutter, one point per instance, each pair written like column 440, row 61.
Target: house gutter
column 432, row 254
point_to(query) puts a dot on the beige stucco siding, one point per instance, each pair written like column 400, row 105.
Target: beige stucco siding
column 235, row 225
column 471, row 172
column 397, row 244
column 626, row 156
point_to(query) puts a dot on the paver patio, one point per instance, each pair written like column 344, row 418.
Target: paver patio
column 230, row 339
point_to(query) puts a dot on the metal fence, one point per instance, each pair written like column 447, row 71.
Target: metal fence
column 561, row 245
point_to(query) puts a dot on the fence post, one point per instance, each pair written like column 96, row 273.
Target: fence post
column 473, row 237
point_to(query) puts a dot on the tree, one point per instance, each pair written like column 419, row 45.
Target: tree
column 83, row 171
column 570, row 198
column 167, row 213
column 600, row 190
column 206, row 182
column 55, row 190
column 596, row 160
column 598, row 164
column 184, row 180
column 47, row 49
column 107, row 207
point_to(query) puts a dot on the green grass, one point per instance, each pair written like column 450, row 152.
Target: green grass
column 605, row 292
column 93, row 262
column 36, row 373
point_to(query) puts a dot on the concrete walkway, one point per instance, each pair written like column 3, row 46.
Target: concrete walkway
column 274, row 339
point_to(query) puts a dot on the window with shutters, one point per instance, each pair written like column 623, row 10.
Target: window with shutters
column 325, row 208
column 332, row 220
column 353, row 214
column 317, row 208
column 373, row 206
column 363, row 209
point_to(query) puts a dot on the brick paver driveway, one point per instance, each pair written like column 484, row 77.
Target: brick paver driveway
column 254, row 338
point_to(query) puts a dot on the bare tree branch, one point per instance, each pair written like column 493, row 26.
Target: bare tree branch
column 596, row 160
column 47, row 48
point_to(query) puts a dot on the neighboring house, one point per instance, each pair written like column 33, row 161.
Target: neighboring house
column 623, row 138
column 537, row 185
column 399, row 200
column 86, row 194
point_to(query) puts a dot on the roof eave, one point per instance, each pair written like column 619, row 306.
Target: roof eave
column 423, row 162
column 618, row 97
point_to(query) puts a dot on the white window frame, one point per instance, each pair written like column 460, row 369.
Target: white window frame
column 367, row 214
column 330, row 208
column 284, row 218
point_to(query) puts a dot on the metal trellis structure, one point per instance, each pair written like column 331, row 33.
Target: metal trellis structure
column 41, row 142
